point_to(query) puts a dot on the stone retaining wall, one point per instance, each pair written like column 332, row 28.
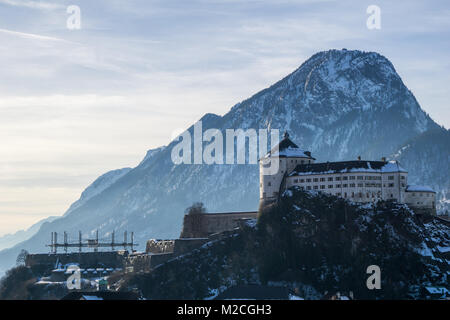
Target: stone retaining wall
column 202, row 225
column 177, row 246
column 112, row 259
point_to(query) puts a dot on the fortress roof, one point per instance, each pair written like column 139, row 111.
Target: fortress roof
column 286, row 148
column 413, row 188
column 347, row 166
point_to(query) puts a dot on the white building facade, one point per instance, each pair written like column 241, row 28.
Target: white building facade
column 359, row 181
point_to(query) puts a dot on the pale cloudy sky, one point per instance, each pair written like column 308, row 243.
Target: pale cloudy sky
column 77, row 103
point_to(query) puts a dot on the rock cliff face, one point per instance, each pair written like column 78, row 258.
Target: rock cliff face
column 339, row 104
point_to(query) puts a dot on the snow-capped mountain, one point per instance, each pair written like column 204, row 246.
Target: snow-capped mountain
column 339, row 104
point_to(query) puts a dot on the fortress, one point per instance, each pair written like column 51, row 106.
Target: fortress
column 359, row 181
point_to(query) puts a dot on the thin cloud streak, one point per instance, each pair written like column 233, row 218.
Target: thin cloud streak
column 32, row 36
column 32, row 4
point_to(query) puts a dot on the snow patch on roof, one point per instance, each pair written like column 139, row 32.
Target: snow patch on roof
column 392, row 166
column 348, row 167
column 416, row 188
column 290, row 152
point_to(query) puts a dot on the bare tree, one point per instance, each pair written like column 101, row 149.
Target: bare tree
column 21, row 258
column 197, row 207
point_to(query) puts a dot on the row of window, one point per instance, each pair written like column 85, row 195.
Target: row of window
column 351, row 185
column 372, row 195
column 300, row 161
column 348, row 185
column 342, row 178
column 424, row 203
column 422, row 194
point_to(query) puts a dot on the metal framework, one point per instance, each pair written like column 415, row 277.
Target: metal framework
column 91, row 243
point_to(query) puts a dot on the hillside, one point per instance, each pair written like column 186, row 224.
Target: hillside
column 338, row 104
column 316, row 243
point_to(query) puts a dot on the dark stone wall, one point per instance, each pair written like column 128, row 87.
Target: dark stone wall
column 160, row 251
column 186, row 245
column 113, row 259
column 177, row 246
column 422, row 210
column 159, row 246
column 202, row 225
column 143, row 262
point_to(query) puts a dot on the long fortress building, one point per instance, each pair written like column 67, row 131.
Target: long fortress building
column 360, row 181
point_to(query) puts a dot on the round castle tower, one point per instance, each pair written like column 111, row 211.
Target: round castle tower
column 278, row 162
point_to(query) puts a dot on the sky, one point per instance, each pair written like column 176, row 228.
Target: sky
column 76, row 103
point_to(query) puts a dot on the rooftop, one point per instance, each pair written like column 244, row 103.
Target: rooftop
column 346, row 167
column 414, row 188
column 287, row 148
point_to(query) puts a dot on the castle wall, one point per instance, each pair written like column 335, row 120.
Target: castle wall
column 177, row 246
column 203, row 225
column 142, row 262
column 159, row 246
column 421, row 202
column 269, row 185
column 112, row 259
column 220, row 222
column 159, row 253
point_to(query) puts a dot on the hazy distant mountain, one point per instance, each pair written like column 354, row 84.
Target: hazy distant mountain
column 97, row 187
column 9, row 240
column 338, row 104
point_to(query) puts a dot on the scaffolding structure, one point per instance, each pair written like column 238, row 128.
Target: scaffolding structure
column 94, row 244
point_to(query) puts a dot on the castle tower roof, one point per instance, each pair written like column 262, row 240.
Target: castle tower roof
column 286, row 149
